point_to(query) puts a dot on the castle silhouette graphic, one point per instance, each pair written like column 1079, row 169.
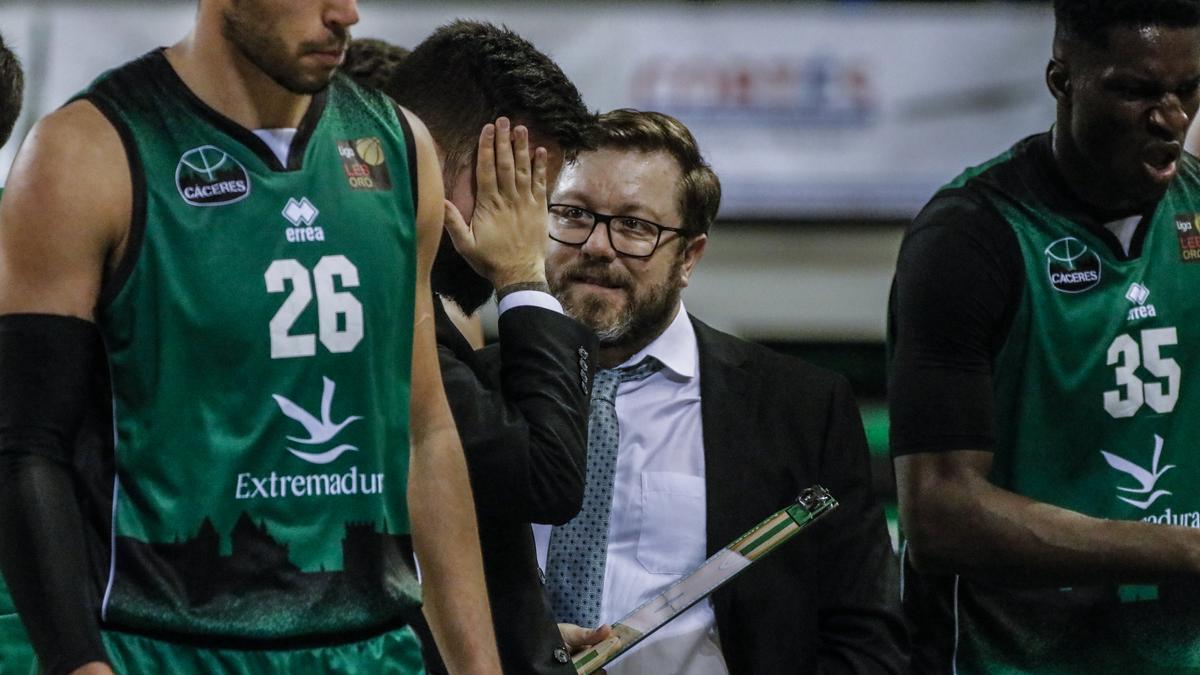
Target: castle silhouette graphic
column 257, row 587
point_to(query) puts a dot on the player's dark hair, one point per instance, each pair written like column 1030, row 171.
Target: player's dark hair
column 463, row 76
column 1091, row 20
column 12, row 89
column 468, row 73
column 372, row 63
column 699, row 190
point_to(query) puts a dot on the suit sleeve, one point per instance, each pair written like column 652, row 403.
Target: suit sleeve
column 860, row 622
column 523, row 420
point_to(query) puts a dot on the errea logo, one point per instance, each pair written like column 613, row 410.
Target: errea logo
column 302, row 214
column 209, row 176
column 1138, row 294
column 1071, row 266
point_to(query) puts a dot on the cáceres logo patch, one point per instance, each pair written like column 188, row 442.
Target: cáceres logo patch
column 209, row 176
column 1071, row 266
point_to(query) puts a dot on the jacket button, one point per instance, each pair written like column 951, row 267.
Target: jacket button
column 561, row 655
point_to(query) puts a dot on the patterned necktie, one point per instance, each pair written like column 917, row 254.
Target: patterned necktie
column 577, row 552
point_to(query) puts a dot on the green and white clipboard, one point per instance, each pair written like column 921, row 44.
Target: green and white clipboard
column 708, row 577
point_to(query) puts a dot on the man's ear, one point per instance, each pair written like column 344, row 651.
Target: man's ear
column 1058, row 81
column 692, row 253
column 458, row 178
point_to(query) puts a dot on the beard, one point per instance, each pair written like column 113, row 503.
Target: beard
column 250, row 32
column 645, row 314
column 453, row 278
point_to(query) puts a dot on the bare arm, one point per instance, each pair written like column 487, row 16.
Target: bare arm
column 439, row 495
column 62, row 220
column 64, row 215
column 957, row 521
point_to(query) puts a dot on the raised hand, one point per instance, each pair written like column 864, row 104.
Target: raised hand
column 506, row 239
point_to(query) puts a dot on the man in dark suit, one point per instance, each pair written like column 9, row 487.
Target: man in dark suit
column 711, row 434
column 520, row 407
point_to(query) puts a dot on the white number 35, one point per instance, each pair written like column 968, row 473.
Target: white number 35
column 1132, row 392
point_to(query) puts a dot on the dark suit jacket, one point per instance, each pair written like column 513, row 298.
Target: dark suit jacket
column 521, row 409
column 828, row 601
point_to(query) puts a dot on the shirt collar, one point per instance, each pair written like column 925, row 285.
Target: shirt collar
column 676, row 347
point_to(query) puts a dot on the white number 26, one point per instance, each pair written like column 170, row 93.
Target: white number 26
column 331, row 304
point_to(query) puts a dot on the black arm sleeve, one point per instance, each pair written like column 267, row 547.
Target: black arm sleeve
column 958, row 281
column 523, row 417
column 45, row 365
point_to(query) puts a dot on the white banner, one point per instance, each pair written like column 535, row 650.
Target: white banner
column 804, row 112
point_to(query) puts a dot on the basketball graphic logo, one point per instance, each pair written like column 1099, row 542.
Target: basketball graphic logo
column 1071, row 266
column 365, row 164
column 370, row 150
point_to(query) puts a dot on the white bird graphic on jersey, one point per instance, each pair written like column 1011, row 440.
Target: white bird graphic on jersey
column 1146, row 478
column 319, row 430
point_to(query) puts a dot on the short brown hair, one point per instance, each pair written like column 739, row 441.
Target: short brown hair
column 700, row 189
column 468, row 73
column 12, row 88
column 372, row 63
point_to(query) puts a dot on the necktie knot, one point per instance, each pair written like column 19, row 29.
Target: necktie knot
column 640, row 370
column 604, row 387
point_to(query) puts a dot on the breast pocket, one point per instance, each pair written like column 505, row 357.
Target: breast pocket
column 671, row 537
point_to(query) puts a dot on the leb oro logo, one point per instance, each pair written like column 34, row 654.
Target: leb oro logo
column 209, row 176
column 365, row 164
column 1189, row 236
column 1071, row 266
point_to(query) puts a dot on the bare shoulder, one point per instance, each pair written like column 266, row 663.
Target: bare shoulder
column 65, row 212
column 430, row 207
column 71, row 168
column 421, row 134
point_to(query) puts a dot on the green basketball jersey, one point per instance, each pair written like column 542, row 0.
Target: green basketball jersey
column 259, row 335
column 1097, row 395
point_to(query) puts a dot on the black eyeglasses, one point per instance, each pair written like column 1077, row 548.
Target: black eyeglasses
column 632, row 237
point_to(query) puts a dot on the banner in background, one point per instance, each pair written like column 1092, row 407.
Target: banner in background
column 804, row 112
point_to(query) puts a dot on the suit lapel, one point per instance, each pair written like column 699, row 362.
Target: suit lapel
column 727, row 394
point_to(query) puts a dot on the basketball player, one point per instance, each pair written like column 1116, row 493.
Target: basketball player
column 234, row 242
column 15, row 653
column 1045, row 357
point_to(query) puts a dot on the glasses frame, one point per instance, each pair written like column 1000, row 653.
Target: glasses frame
column 598, row 218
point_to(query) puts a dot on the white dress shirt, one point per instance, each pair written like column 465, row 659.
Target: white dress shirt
column 657, row 529
column 529, row 299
